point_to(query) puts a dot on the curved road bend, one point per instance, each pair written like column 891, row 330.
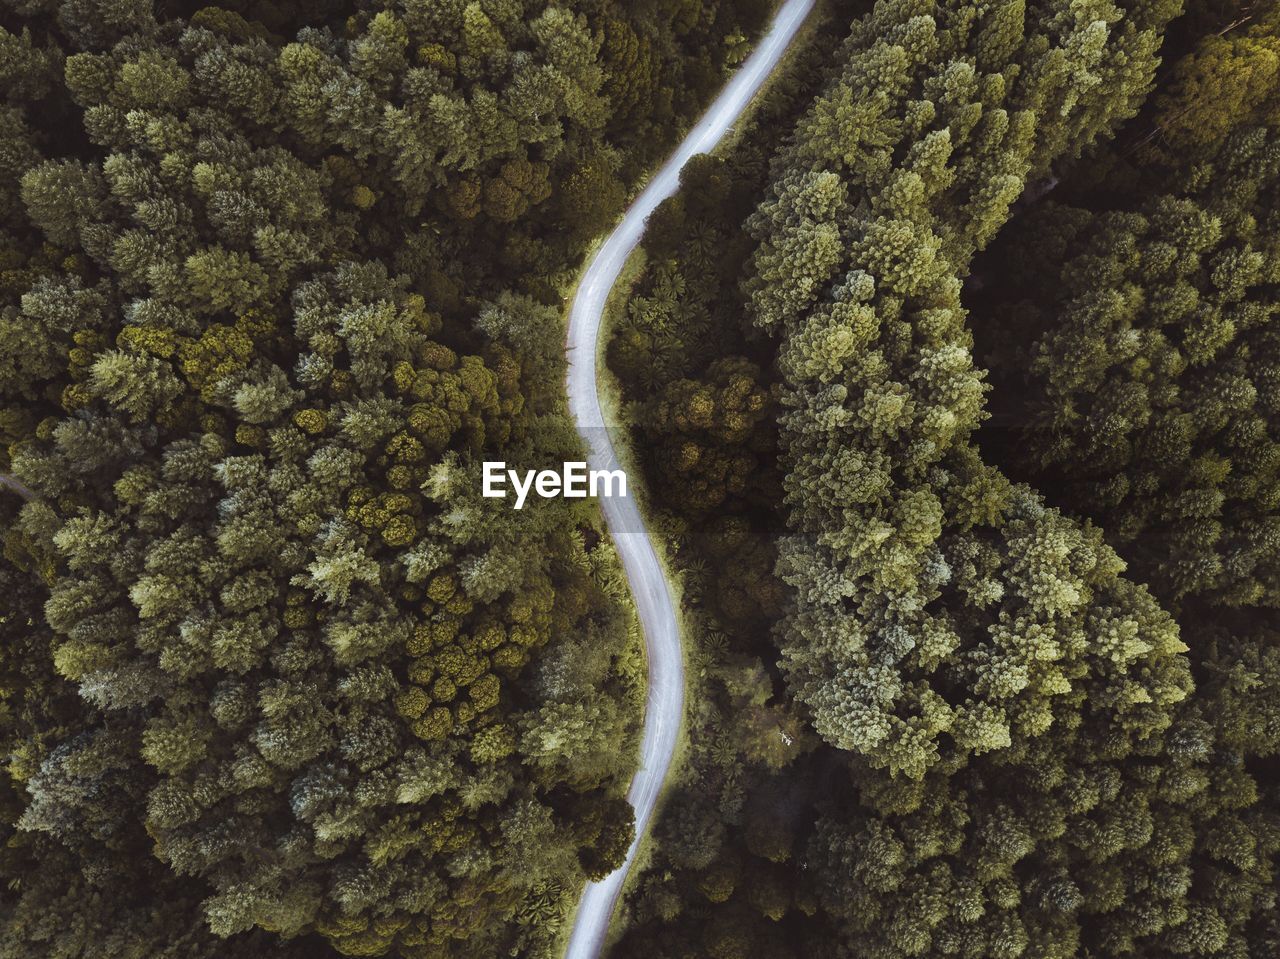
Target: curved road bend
column 665, row 707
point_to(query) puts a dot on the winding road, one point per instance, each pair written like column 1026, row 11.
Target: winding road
column 665, row 706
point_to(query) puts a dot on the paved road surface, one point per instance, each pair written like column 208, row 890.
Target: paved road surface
column 665, row 707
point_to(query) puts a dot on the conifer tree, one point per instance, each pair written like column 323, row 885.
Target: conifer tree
column 265, row 289
column 940, row 611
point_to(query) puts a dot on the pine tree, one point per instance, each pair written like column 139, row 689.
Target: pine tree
column 939, row 610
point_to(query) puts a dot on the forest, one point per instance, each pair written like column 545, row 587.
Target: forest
column 956, row 383
column 275, row 279
column 955, row 393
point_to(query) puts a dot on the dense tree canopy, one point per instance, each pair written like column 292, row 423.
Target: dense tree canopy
column 274, row 280
column 939, row 610
column 1150, row 362
column 983, row 662
column 1037, row 742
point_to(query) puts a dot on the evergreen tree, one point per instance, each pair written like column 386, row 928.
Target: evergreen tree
column 265, row 277
column 939, row 611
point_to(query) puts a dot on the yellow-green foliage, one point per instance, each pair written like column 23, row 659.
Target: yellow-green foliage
column 1014, row 744
column 274, row 280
